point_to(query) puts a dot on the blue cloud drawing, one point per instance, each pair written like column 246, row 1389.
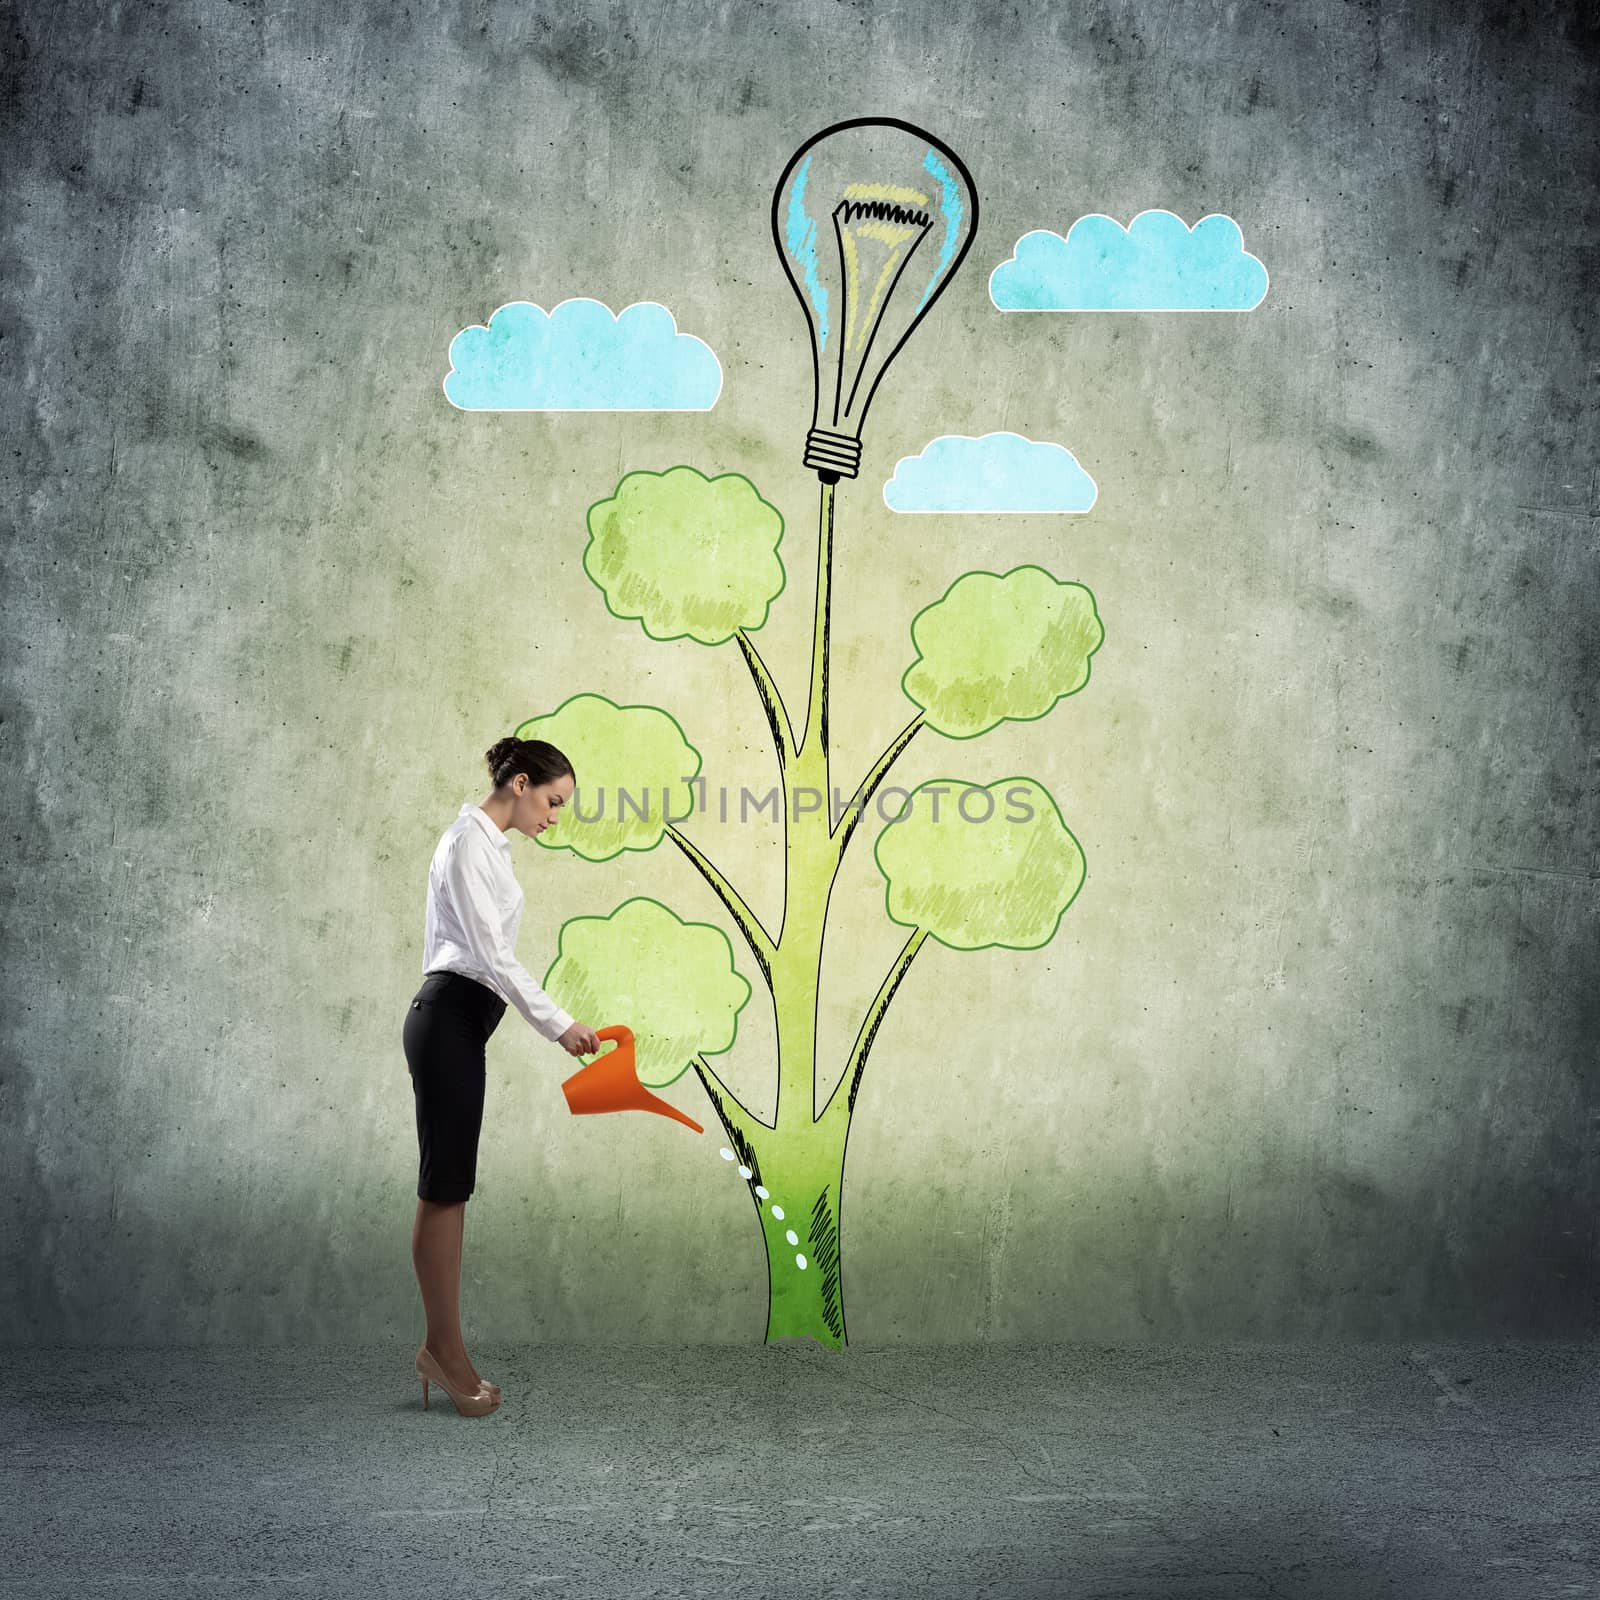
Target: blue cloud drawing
column 581, row 357
column 1156, row 263
column 1000, row 473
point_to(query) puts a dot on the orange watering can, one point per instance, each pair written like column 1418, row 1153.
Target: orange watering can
column 611, row 1083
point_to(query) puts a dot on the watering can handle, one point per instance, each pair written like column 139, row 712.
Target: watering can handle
column 616, row 1031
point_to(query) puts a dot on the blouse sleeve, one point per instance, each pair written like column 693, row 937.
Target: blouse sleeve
column 470, row 876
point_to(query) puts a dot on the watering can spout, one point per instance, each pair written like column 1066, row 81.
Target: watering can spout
column 611, row 1083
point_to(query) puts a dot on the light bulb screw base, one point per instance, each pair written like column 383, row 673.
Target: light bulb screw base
column 835, row 454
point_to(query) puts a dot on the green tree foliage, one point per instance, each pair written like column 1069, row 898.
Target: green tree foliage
column 674, row 981
column 684, row 554
column 997, row 648
column 977, row 865
column 633, row 765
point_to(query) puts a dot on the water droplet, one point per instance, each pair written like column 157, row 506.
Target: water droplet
column 761, row 1191
column 792, row 1237
column 744, row 1172
column 725, row 1153
column 777, row 1211
column 800, row 1261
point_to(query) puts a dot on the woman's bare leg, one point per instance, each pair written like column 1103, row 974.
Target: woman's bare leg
column 461, row 1225
column 436, row 1239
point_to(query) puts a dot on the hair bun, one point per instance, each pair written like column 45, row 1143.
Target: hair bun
column 498, row 752
column 539, row 761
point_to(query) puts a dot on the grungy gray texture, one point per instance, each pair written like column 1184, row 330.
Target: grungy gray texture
column 1230, row 1471
column 1313, row 1054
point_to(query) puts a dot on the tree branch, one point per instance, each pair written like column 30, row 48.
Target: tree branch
column 771, row 701
column 850, row 818
column 759, row 940
column 718, row 1091
column 851, row 1081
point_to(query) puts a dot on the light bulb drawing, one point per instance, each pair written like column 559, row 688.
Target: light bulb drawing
column 871, row 219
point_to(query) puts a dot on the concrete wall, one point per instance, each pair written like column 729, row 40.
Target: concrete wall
column 1312, row 1054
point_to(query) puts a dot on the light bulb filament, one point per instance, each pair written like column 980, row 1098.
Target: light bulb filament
column 881, row 211
column 877, row 237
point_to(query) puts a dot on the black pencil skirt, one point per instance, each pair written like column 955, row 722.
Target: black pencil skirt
column 448, row 1023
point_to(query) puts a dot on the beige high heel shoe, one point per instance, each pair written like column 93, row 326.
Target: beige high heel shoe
column 488, row 1383
column 467, row 1405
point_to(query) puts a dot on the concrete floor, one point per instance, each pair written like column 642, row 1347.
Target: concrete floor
column 1208, row 1473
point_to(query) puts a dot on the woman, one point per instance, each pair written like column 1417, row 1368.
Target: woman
column 470, row 969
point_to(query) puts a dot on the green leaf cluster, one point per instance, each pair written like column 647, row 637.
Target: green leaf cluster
column 672, row 982
column 685, row 555
column 980, row 864
column 998, row 648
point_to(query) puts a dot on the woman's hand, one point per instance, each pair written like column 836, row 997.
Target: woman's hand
column 579, row 1040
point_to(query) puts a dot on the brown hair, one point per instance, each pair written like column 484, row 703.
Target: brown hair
column 541, row 762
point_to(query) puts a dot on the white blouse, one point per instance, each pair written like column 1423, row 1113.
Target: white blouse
column 474, row 911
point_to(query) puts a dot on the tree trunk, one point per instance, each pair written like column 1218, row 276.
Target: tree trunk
column 805, row 1184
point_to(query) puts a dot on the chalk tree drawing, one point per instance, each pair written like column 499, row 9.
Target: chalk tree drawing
column 871, row 219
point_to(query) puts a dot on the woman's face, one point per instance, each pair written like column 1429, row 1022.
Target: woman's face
column 538, row 808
